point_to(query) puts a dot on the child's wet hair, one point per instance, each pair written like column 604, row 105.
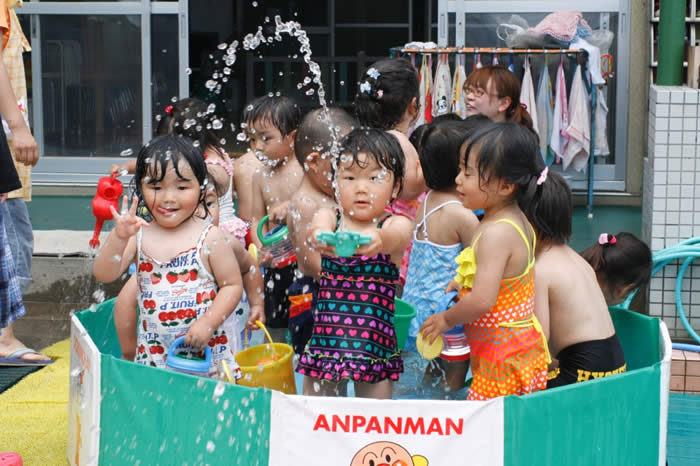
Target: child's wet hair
column 505, row 84
column 314, row 135
column 622, row 261
column 382, row 147
column 510, row 152
column 154, row 157
column 439, row 149
column 280, row 111
column 191, row 118
column 393, row 83
column 555, row 210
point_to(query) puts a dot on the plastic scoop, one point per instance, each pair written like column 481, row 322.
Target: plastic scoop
column 345, row 242
column 429, row 350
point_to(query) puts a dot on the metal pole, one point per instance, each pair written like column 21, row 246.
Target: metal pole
column 671, row 43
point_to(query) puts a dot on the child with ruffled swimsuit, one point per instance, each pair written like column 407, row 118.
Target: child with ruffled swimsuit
column 187, row 276
column 500, row 172
column 353, row 337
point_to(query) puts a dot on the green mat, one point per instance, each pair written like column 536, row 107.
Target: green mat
column 10, row 375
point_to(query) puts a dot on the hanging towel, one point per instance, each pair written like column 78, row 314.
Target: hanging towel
column 544, row 105
column 458, row 105
column 527, row 94
column 560, row 120
column 579, row 129
column 593, row 59
column 424, row 91
column 601, row 125
column 442, row 91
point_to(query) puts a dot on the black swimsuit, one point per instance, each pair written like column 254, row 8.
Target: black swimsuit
column 588, row 360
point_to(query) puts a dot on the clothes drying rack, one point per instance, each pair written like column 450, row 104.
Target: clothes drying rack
column 399, row 51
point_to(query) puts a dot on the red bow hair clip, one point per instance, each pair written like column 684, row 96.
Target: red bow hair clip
column 169, row 109
column 605, row 238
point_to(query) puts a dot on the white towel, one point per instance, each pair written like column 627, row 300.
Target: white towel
column 601, row 125
column 559, row 138
column 579, row 129
column 442, row 89
column 527, row 94
column 593, row 59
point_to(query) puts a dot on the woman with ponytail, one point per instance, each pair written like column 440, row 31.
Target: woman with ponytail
column 622, row 263
column 569, row 302
column 501, row 172
column 494, row 91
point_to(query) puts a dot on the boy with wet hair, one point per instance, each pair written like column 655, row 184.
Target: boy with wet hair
column 313, row 146
column 271, row 124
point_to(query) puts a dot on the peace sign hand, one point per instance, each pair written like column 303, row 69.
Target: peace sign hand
column 127, row 224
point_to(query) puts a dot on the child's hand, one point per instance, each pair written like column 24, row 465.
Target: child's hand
column 321, row 246
column 278, row 214
column 374, row 247
column 453, row 286
column 257, row 312
column 127, row 224
column 433, row 327
column 199, row 334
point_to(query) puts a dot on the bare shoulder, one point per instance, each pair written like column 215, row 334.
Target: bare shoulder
column 215, row 237
column 398, row 221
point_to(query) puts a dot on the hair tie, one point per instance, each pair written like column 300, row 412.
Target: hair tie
column 605, row 238
column 543, row 176
column 169, row 109
column 523, row 106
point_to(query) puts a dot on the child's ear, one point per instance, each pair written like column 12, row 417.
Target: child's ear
column 290, row 137
column 312, row 160
column 506, row 189
column 395, row 192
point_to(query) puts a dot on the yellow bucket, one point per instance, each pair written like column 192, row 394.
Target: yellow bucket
column 268, row 365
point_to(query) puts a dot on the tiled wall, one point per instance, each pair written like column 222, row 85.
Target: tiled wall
column 671, row 206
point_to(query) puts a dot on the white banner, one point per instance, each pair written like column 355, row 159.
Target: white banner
column 362, row 432
column 84, row 398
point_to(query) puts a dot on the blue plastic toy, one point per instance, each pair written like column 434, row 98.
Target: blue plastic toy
column 345, row 242
column 195, row 366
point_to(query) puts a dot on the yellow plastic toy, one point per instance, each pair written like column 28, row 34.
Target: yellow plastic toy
column 268, row 365
column 429, row 350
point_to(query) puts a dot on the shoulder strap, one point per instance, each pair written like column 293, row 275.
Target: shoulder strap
column 530, row 256
column 203, row 235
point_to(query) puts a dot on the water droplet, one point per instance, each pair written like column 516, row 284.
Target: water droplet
column 310, row 92
column 255, row 4
column 126, row 153
column 342, row 83
column 241, row 137
column 223, row 46
column 217, row 124
column 188, row 71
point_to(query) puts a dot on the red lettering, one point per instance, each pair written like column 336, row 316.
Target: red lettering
column 357, row 422
column 321, row 423
column 337, row 422
column 373, row 425
column 450, row 425
column 389, row 423
column 415, row 425
column 435, row 427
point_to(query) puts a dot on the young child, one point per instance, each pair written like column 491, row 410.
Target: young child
column 244, row 169
column 569, row 303
column 388, row 100
column 495, row 276
column 313, row 146
column 353, row 335
column 188, row 278
column 249, row 309
column 443, row 228
column 271, row 124
column 622, row 263
column 494, row 91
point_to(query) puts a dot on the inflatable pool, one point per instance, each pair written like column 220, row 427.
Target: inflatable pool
column 125, row 413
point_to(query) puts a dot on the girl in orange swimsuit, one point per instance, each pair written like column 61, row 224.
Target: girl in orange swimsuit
column 502, row 173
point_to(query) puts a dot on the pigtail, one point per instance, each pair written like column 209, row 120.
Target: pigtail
column 595, row 255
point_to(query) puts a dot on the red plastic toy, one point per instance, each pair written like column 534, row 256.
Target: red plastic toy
column 109, row 188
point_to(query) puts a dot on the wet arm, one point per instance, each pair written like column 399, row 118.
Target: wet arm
column 542, row 299
column 258, row 210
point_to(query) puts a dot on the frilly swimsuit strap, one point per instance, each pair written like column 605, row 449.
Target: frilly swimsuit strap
column 226, row 166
